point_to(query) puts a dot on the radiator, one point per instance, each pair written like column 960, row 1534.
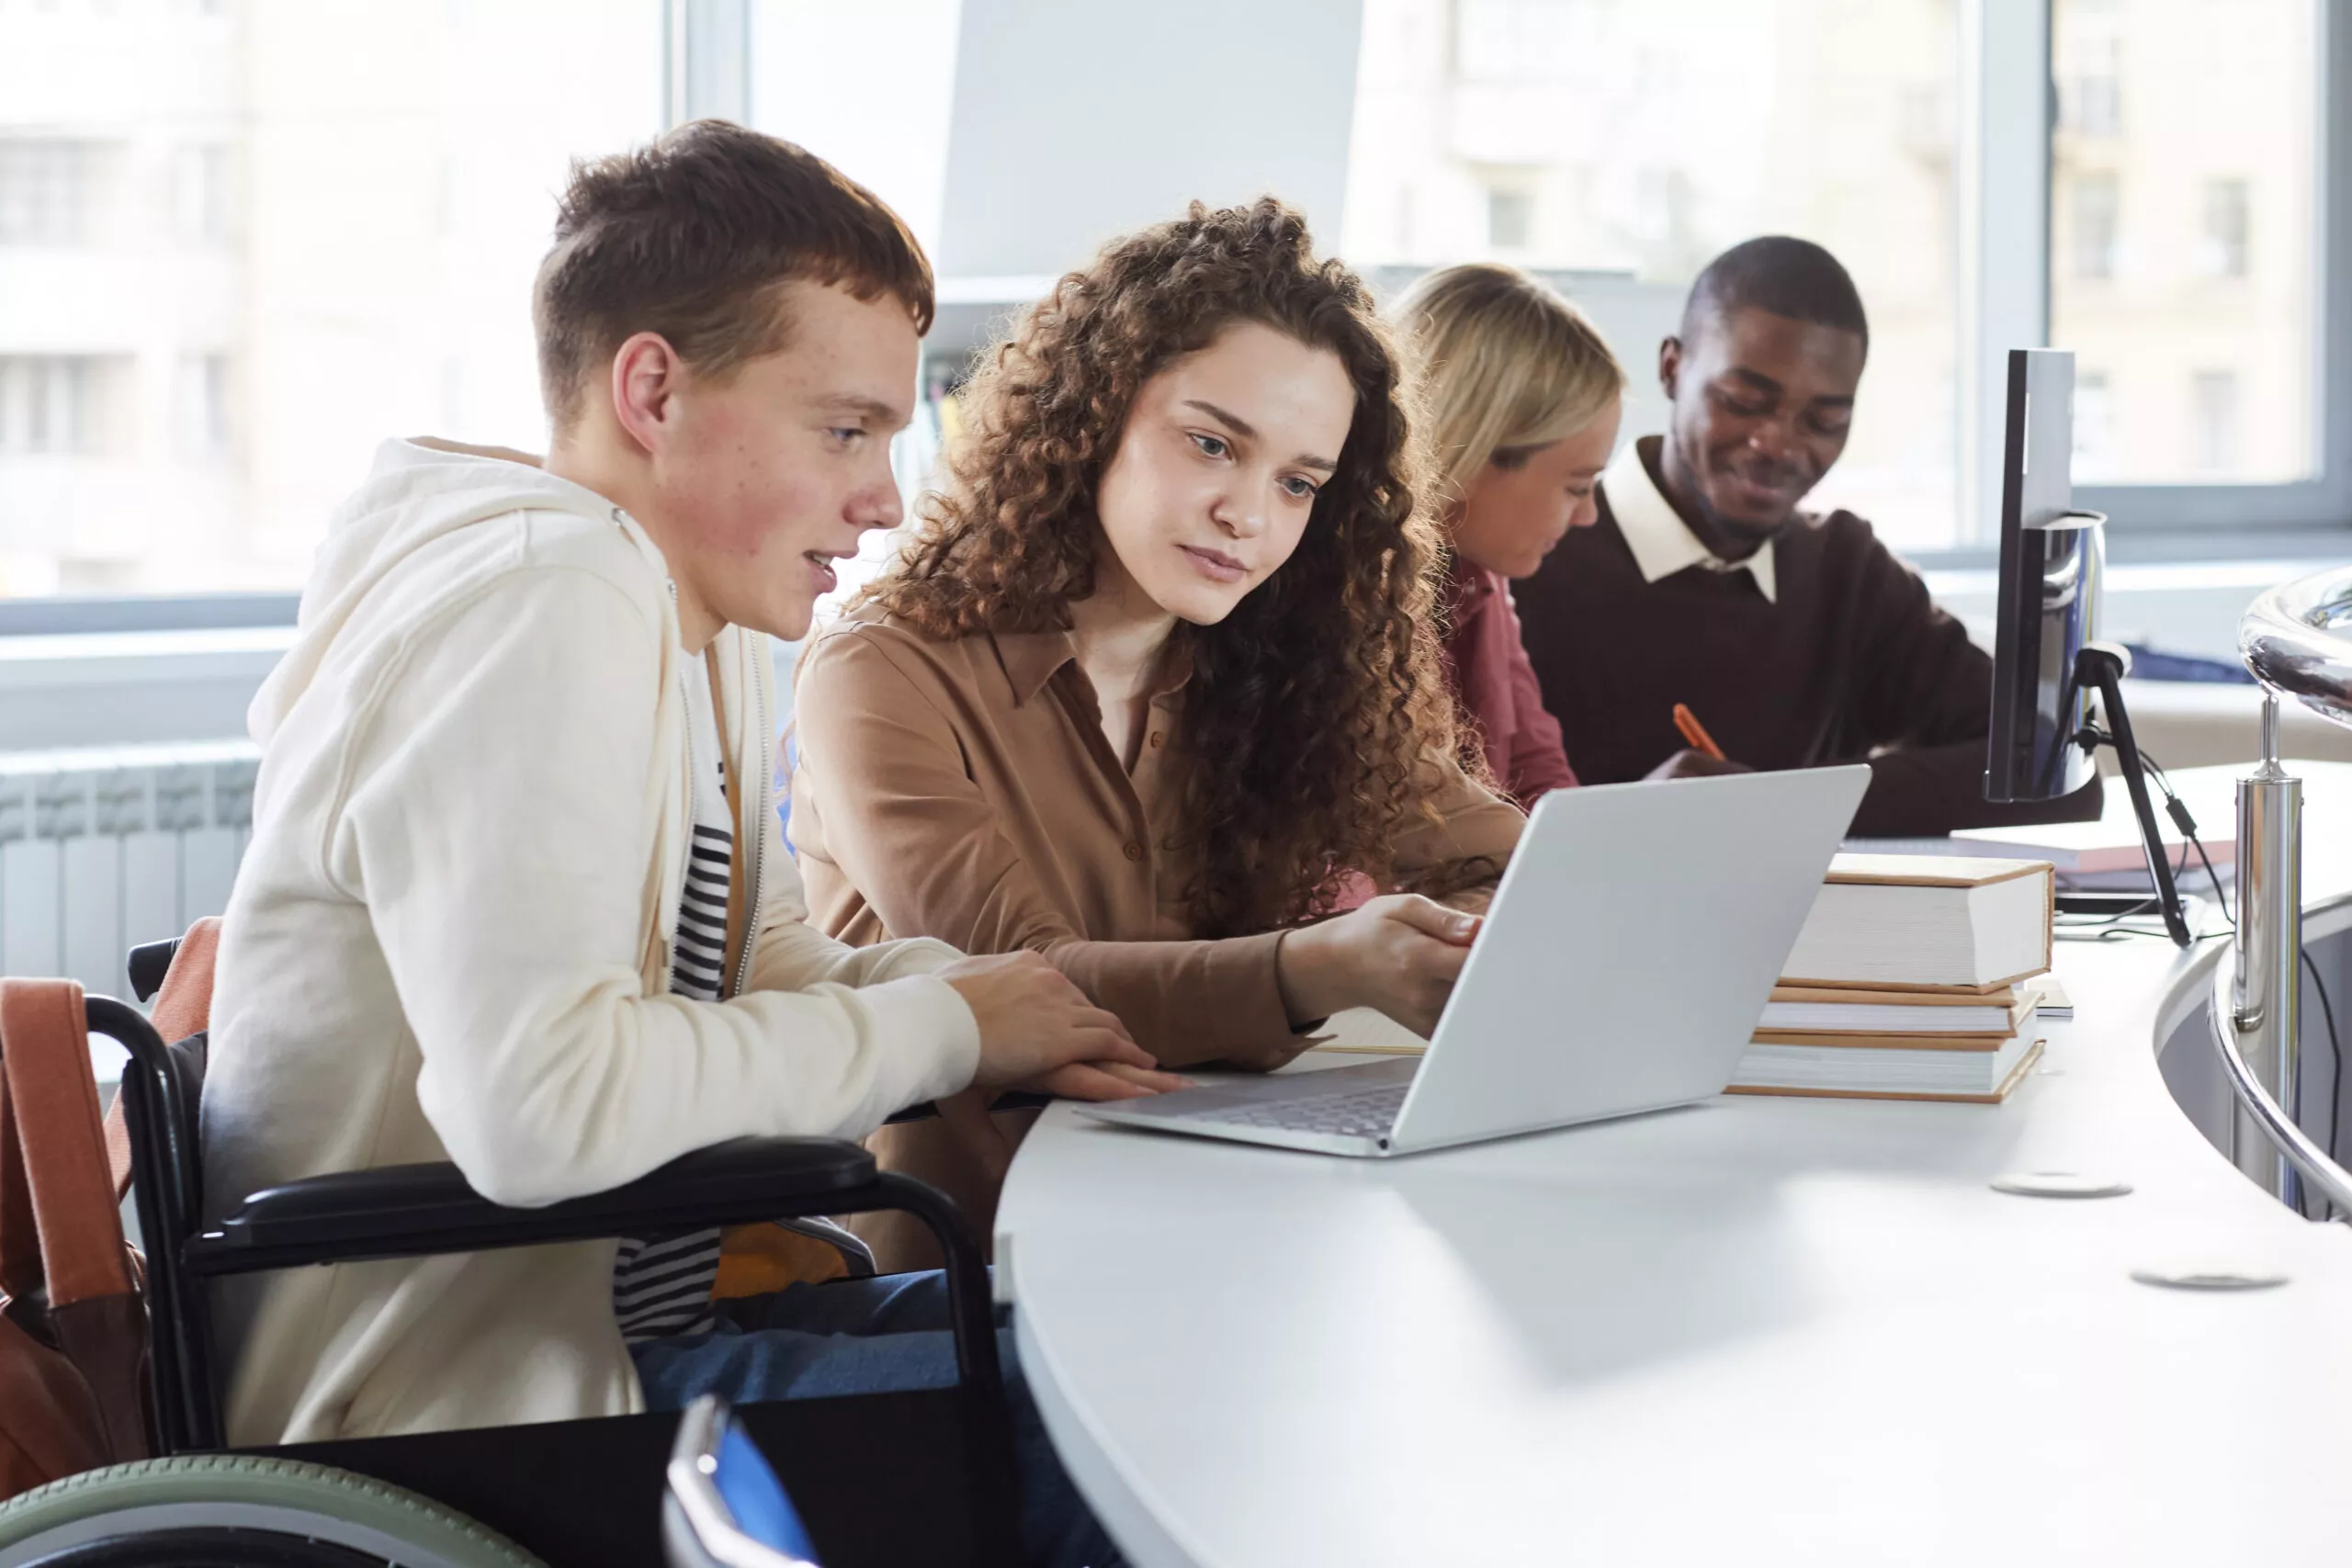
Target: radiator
column 103, row 849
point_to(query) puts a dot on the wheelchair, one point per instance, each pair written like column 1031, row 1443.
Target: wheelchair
column 894, row 1478
column 725, row 1507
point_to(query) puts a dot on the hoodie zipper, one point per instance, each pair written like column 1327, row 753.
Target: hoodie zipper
column 758, row 800
column 686, row 726
column 759, row 844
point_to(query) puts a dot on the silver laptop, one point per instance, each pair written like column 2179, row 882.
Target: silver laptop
column 1624, row 963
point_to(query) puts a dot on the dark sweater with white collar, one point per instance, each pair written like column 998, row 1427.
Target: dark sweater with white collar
column 1852, row 661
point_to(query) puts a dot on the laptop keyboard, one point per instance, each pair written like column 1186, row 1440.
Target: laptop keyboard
column 1366, row 1112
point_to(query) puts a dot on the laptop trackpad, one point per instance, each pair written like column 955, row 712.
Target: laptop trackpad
column 1274, row 1088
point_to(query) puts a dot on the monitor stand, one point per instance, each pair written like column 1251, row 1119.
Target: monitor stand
column 2101, row 668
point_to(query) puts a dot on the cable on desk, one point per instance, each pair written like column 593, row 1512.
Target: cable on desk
column 2109, row 927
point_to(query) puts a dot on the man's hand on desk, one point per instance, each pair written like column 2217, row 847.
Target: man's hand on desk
column 1692, row 763
column 1107, row 1080
column 1399, row 954
column 1038, row 1030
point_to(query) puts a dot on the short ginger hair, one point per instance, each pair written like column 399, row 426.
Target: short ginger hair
column 693, row 236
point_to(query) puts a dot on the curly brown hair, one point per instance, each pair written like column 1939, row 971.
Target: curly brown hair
column 1317, row 706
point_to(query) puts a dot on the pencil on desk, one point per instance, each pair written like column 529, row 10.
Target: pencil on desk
column 1695, row 732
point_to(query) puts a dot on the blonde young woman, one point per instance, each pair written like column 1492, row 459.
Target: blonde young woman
column 1523, row 399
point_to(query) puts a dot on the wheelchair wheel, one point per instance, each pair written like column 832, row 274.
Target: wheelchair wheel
column 240, row 1511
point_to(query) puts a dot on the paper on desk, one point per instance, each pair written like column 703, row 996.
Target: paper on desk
column 2055, row 1002
column 1362, row 1031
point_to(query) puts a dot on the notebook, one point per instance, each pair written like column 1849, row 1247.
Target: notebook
column 1926, row 923
column 2098, row 849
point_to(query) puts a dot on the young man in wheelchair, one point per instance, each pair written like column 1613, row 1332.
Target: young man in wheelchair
column 517, row 895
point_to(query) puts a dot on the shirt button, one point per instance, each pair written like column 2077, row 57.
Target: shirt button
column 1134, row 851
column 1156, row 739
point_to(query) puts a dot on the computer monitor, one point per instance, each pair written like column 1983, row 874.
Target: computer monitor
column 2047, row 665
column 2052, row 560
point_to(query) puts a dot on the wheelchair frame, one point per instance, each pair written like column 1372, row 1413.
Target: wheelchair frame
column 523, row 1481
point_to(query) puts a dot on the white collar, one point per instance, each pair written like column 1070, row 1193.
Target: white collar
column 1662, row 543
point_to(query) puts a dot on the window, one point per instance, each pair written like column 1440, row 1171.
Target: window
column 201, row 194
column 47, row 190
column 1641, row 142
column 204, row 405
column 53, row 404
column 317, row 211
column 2094, row 427
column 2094, row 206
column 2091, row 101
column 1510, row 218
column 2214, row 427
column 2226, row 224
column 2196, row 294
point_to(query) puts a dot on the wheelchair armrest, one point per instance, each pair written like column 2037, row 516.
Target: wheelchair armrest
column 149, row 962
column 1011, row 1100
column 413, row 1211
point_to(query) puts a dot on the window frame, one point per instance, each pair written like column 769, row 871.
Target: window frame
column 2006, row 291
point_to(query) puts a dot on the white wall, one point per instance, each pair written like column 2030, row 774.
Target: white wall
column 869, row 86
column 1151, row 104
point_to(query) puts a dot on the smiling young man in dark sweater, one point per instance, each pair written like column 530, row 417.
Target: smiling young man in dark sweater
column 1797, row 638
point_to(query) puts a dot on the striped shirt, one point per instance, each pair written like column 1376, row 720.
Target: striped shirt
column 662, row 1284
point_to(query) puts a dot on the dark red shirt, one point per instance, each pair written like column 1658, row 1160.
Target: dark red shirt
column 1486, row 665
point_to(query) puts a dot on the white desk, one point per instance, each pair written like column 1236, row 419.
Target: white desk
column 1754, row 1331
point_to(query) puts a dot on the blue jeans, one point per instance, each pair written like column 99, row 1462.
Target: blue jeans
column 880, row 1335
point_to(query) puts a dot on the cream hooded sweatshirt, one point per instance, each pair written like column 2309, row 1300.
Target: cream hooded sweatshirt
column 450, row 938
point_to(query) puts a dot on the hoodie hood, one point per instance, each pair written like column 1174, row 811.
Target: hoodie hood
column 414, row 497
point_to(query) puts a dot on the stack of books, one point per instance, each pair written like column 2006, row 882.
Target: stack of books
column 1914, row 978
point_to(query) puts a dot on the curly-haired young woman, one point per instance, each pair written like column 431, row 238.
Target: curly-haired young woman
column 1155, row 692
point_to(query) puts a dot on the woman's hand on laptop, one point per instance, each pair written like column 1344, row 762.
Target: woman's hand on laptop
column 1038, row 1030
column 1399, row 953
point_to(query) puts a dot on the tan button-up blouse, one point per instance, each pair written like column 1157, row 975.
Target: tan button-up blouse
column 965, row 790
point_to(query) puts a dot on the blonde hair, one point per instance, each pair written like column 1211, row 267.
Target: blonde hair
column 1506, row 366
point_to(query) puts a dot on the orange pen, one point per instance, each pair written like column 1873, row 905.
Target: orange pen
column 1695, row 732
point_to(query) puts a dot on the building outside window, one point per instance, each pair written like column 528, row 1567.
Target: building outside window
column 338, row 246
column 2090, row 99
column 2227, row 226
column 204, row 405
column 2206, row 383
column 2213, row 414
column 47, row 188
column 203, row 194
column 2094, row 428
column 2095, row 208
column 1510, row 218
column 249, row 276
column 1648, row 138
column 52, row 404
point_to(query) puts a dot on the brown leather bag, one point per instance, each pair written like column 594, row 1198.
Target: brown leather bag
column 73, row 1326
